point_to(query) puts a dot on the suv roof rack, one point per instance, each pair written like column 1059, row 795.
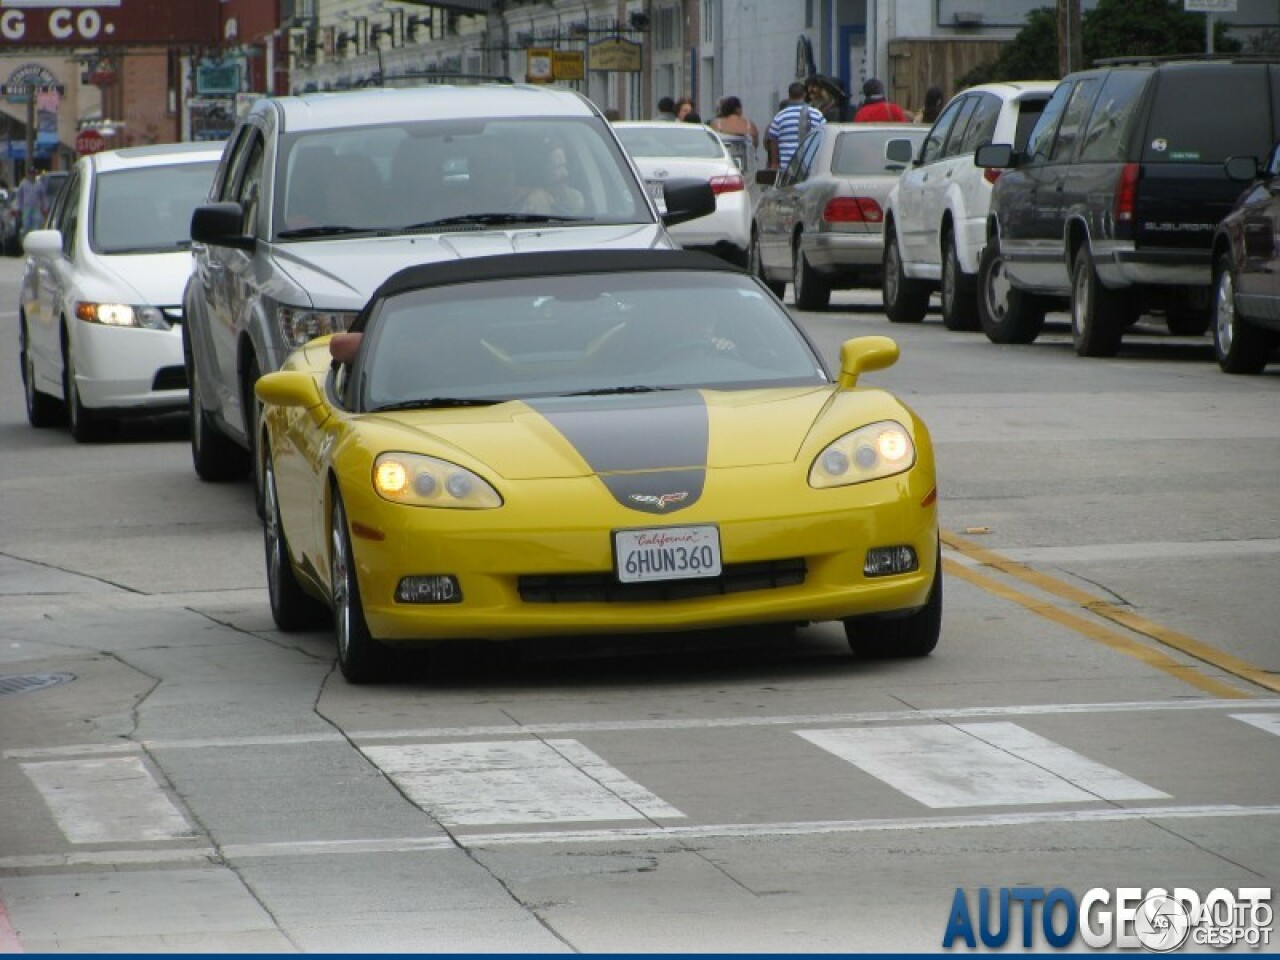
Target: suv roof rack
column 1189, row 58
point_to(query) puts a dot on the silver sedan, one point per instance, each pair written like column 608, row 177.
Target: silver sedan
column 820, row 220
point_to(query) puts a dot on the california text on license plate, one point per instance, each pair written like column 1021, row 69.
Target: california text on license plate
column 666, row 553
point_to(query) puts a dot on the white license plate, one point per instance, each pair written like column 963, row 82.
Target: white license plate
column 657, row 194
column 666, row 553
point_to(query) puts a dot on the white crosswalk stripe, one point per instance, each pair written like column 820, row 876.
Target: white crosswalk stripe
column 516, row 781
column 1269, row 722
column 112, row 800
column 977, row 764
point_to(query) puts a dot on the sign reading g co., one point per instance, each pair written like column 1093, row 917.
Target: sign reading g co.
column 106, row 22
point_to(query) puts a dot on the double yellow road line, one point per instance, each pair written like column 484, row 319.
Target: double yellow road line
column 1125, row 643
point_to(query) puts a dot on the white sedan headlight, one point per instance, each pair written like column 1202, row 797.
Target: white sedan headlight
column 300, row 325
column 875, row 451
column 419, row 481
column 121, row 315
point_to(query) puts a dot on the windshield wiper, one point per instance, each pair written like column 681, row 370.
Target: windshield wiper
column 491, row 219
column 436, row 403
column 325, row 231
column 606, row 391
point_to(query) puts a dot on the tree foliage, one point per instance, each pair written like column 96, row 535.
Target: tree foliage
column 1114, row 28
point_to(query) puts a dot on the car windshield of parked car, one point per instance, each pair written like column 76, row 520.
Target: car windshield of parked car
column 606, row 333
column 858, row 153
column 452, row 174
column 688, row 141
column 147, row 209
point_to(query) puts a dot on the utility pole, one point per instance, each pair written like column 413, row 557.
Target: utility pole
column 31, row 127
column 1070, row 37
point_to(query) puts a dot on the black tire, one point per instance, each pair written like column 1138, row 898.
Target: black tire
column 959, row 298
column 292, row 608
column 216, row 457
column 755, row 266
column 905, row 300
column 83, row 423
column 1098, row 315
column 915, row 635
column 361, row 658
column 42, row 410
column 252, row 408
column 1006, row 314
column 1239, row 346
column 812, row 290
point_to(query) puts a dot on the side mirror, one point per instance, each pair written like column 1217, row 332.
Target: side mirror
column 687, row 199
column 767, row 177
column 43, row 243
column 1241, row 168
column 289, row 388
column 863, row 354
column 220, row 225
column 899, row 151
column 997, row 155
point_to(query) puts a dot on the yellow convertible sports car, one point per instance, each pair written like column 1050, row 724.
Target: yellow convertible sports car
column 579, row 443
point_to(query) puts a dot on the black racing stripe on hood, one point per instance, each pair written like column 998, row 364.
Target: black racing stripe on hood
column 650, row 450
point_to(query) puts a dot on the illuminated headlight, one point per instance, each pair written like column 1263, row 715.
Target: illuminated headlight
column 121, row 315
column 299, row 325
column 427, row 482
column 877, row 450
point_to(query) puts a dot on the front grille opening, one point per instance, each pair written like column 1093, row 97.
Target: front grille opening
column 26, row 683
column 603, row 588
column 170, row 378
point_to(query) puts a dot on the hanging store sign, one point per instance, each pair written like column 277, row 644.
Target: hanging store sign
column 540, row 66
column 568, row 65
column 616, row 55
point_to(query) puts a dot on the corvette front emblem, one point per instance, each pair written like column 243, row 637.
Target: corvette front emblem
column 660, row 500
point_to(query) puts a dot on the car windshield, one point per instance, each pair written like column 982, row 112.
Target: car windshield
column 148, row 209
column 452, row 175
column 625, row 332
column 691, row 141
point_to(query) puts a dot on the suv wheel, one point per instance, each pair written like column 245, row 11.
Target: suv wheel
column 811, row 288
column 216, row 457
column 1239, row 346
column 1098, row 315
column 959, row 302
column 905, row 300
column 1007, row 314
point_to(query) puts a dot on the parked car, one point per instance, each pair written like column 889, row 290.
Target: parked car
column 318, row 198
column 10, row 224
column 819, row 223
column 571, row 443
column 1113, row 205
column 665, row 150
column 100, row 314
column 1246, row 263
column 935, row 217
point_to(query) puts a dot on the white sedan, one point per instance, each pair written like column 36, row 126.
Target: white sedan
column 101, row 301
column 663, row 150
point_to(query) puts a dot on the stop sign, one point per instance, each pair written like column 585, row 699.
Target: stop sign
column 89, row 141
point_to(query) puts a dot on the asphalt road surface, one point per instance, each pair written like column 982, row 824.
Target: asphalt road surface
column 1101, row 712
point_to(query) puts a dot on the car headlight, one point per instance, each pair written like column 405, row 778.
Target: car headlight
column 121, row 315
column 875, row 451
column 420, row 481
column 300, row 325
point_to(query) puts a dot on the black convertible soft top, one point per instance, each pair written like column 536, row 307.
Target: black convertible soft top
column 510, row 266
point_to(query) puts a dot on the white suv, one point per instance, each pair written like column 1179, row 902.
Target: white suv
column 935, row 216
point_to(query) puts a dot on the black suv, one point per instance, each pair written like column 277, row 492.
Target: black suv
column 1114, row 202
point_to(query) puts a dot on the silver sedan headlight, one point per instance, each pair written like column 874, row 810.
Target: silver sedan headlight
column 300, row 325
column 873, row 452
column 122, row 315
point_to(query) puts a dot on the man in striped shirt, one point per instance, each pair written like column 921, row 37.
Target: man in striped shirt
column 790, row 125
